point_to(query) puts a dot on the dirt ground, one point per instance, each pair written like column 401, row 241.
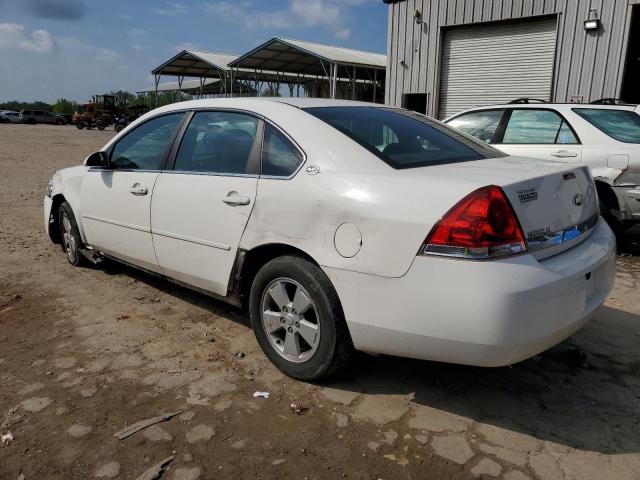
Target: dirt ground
column 86, row 352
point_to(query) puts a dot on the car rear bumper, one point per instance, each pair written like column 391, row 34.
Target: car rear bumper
column 479, row 313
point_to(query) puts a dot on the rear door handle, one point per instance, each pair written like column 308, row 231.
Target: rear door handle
column 137, row 189
column 236, row 199
column 564, row 154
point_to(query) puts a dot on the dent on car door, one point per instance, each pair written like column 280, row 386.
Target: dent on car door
column 116, row 201
column 201, row 205
column 539, row 133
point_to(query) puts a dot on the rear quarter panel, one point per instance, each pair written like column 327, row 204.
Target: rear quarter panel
column 393, row 210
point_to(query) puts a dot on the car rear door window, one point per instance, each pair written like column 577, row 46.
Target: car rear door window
column 403, row 139
column 280, row 157
column 481, row 124
column 622, row 125
column 217, row 142
column 533, row 126
column 145, row 147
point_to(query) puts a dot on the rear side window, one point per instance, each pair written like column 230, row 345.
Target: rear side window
column 531, row 126
column 482, row 125
column 403, row 139
column 217, row 142
column 622, row 125
column 280, row 157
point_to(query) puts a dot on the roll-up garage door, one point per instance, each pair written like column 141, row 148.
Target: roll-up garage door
column 496, row 63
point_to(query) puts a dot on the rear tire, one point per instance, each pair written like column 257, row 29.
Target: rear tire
column 70, row 236
column 605, row 212
column 297, row 319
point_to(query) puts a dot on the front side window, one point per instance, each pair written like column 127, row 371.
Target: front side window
column 403, row 139
column 531, row 126
column 217, row 142
column 622, row 125
column 482, row 124
column 280, row 157
column 145, row 147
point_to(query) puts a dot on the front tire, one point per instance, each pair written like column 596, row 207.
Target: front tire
column 70, row 236
column 297, row 319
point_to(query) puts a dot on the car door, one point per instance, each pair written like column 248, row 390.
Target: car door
column 539, row 133
column 116, row 201
column 40, row 116
column 202, row 202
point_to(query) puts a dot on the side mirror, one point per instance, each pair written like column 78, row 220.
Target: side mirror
column 98, row 159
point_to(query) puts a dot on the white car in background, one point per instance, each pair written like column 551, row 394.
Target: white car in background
column 606, row 138
column 345, row 225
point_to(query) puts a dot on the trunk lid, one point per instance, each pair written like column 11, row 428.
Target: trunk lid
column 556, row 204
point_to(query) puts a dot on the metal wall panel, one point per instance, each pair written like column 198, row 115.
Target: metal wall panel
column 588, row 64
column 495, row 63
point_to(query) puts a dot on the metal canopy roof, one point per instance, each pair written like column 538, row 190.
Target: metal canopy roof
column 297, row 56
column 196, row 63
column 211, row 86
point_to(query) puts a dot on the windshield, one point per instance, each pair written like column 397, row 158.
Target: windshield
column 622, row 125
column 403, row 139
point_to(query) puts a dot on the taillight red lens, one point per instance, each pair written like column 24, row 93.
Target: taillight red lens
column 481, row 226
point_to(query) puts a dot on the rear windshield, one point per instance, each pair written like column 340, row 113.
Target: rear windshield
column 623, row 125
column 403, row 139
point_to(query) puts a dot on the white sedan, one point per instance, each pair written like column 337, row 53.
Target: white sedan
column 345, row 226
column 606, row 138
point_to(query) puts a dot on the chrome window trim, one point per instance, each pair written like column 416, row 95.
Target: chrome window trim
column 113, row 170
column 210, row 174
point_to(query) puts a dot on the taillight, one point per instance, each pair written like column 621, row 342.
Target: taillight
column 481, row 226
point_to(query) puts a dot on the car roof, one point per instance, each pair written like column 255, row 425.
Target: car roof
column 556, row 105
column 562, row 107
column 251, row 103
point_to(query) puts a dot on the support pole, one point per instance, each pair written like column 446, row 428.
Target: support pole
column 375, row 84
column 157, row 81
column 180, row 80
column 334, row 81
column 353, row 85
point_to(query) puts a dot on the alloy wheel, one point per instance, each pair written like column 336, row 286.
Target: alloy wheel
column 290, row 320
column 68, row 239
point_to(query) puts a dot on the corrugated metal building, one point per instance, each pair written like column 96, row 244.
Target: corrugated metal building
column 444, row 56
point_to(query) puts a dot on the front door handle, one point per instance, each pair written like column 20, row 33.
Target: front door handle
column 564, row 154
column 234, row 199
column 138, row 189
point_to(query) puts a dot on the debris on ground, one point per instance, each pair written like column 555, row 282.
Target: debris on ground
column 261, row 394
column 136, row 427
column 155, row 471
column 6, row 438
column 297, row 408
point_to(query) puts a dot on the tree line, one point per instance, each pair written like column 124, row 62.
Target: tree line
column 65, row 106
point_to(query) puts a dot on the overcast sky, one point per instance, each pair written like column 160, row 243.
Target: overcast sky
column 73, row 49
